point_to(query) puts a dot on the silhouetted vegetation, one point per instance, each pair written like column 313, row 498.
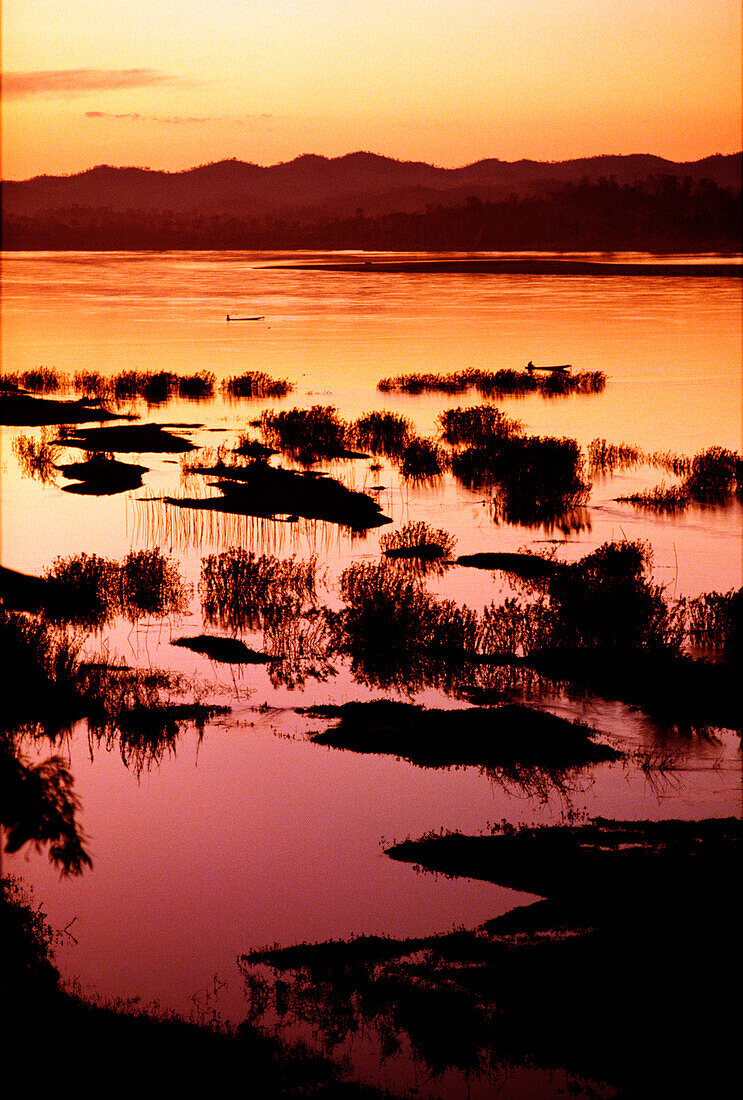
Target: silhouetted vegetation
column 663, row 498
column 38, row 806
column 36, row 457
column 713, row 618
column 713, row 476
column 196, row 387
column 42, row 671
column 676, row 464
column 154, row 387
column 420, row 545
column 537, row 480
column 398, row 633
column 307, row 435
column 477, row 425
column 252, row 448
column 423, row 460
column 598, row 626
column 606, row 457
column 299, row 644
column 382, row 433
column 608, row 599
column 98, row 589
column 240, row 590
column 500, row 383
column 40, row 380
column 255, row 383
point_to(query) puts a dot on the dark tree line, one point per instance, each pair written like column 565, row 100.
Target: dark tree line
column 659, row 214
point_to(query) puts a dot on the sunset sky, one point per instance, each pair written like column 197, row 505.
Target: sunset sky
column 172, row 84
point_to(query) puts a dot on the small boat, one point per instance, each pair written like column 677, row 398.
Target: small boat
column 261, row 318
column 560, row 367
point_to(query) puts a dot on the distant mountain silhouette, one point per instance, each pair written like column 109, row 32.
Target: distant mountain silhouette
column 312, row 186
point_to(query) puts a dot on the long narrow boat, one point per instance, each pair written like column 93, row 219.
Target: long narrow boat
column 261, row 318
column 560, row 367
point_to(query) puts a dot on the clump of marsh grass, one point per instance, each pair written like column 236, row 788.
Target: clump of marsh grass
column 456, row 382
column 197, row 386
column 41, row 667
column 533, row 466
column 713, row 476
column 41, row 380
column 36, row 458
column 255, row 384
column 382, row 433
column 9, row 384
column 151, row 584
column 240, row 590
column 299, row 646
column 496, row 383
column 306, row 435
column 608, row 600
column 205, row 460
column 419, row 543
column 514, row 629
column 91, row 383
column 537, row 480
column 477, row 425
column 248, row 447
column 98, row 589
column 154, row 387
column 605, row 457
column 92, row 583
column 676, row 464
column 423, row 460
column 387, row 609
column 662, row 498
column 712, row 618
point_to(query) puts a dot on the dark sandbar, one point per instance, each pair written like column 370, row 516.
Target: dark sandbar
column 475, row 736
column 532, row 267
column 227, row 650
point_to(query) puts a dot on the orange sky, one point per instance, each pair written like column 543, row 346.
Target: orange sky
column 169, row 85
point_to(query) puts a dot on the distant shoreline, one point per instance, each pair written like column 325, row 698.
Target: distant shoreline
column 527, row 267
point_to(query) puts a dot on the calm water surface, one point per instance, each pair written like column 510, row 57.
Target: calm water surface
column 252, row 835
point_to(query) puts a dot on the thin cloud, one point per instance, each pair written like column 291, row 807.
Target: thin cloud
column 135, row 116
column 65, row 82
column 173, row 120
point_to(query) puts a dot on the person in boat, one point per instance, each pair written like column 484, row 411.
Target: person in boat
column 530, row 366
